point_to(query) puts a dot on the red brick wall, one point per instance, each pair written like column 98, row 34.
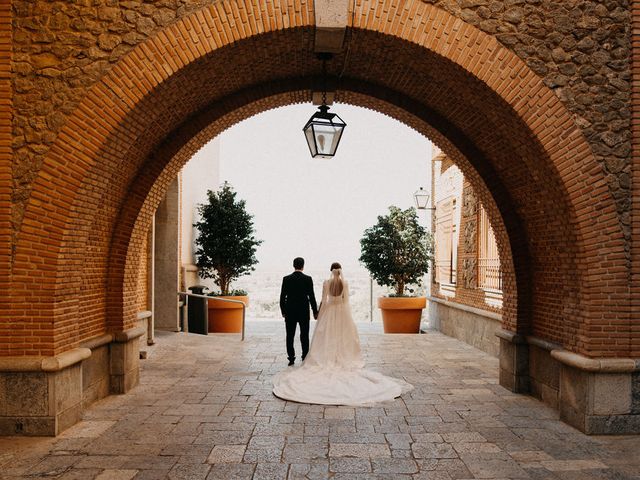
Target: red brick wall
column 558, row 228
column 142, row 283
column 5, row 171
column 635, row 222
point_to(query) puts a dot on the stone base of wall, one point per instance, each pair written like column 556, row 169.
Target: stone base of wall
column 145, row 320
column 471, row 325
column 124, row 368
column 95, row 370
column 514, row 362
column 42, row 396
column 544, row 372
column 40, row 403
column 596, row 396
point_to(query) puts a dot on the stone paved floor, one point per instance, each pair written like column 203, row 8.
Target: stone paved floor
column 204, row 409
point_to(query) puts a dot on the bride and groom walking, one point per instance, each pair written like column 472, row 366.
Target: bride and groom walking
column 332, row 370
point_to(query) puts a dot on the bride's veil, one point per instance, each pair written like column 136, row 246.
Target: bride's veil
column 336, row 283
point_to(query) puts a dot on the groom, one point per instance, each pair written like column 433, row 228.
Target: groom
column 295, row 296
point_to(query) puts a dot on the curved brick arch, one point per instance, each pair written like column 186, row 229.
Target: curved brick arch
column 95, row 134
column 161, row 168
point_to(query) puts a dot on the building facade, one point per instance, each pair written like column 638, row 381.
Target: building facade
column 466, row 290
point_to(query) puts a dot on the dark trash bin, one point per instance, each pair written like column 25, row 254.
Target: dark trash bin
column 197, row 313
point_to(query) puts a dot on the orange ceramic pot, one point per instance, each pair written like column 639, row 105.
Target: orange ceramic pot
column 401, row 314
column 226, row 317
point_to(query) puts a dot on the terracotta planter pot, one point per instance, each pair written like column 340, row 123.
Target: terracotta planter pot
column 401, row 314
column 226, row 317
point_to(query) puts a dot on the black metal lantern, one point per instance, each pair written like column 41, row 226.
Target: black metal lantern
column 422, row 199
column 323, row 132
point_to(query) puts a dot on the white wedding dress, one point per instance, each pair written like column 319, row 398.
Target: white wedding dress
column 333, row 371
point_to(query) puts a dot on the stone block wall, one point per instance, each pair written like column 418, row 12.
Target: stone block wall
column 42, row 397
column 599, row 402
column 25, row 394
column 474, row 326
column 596, row 396
column 544, row 373
column 95, row 370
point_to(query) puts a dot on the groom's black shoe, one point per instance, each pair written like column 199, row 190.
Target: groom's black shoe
column 291, row 362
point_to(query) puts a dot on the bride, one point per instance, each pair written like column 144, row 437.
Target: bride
column 333, row 371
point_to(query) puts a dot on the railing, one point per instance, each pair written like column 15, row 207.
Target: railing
column 221, row 299
column 489, row 273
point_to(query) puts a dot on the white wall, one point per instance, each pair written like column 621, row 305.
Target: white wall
column 200, row 174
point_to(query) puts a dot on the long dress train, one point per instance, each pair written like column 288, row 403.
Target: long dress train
column 333, row 372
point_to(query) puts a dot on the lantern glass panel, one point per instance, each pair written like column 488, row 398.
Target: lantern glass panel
column 311, row 141
column 327, row 138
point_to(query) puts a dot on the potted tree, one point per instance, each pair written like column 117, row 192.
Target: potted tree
column 225, row 251
column 397, row 252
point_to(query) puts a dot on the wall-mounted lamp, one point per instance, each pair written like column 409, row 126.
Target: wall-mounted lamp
column 422, row 200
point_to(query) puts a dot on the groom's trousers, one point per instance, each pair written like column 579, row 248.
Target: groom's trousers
column 291, row 333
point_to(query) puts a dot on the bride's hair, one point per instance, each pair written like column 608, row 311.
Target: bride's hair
column 335, row 284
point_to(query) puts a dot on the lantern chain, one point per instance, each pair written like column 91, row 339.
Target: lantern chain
column 324, row 81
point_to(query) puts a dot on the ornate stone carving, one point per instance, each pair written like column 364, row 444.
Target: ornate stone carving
column 469, row 202
column 470, row 236
column 470, row 273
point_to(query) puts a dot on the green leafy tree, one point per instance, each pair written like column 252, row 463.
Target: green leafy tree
column 225, row 245
column 397, row 250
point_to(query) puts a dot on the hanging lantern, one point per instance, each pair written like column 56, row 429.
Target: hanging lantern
column 323, row 132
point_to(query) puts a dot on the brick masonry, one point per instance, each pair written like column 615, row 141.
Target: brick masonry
column 111, row 100
column 635, row 200
column 5, row 153
column 142, row 283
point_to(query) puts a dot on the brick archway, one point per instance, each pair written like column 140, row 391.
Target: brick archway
column 148, row 189
column 510, row 134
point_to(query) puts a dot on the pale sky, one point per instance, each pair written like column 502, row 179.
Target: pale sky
column 318, row 208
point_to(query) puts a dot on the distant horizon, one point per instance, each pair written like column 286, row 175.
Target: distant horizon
column 347, row 268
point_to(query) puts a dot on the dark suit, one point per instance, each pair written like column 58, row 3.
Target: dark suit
column 295, row 297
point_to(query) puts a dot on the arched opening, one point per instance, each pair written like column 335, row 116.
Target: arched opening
column 91, row 205
column 317, row 208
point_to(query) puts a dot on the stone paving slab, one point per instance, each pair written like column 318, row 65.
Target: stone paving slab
column 204, row 410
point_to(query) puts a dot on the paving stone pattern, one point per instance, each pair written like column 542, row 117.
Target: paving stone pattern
column 204, row 410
